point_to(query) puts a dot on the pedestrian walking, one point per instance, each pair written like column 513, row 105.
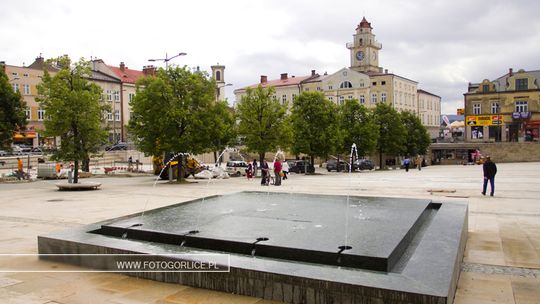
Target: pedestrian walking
column 20, row 172
column 254, row 168
column 490, row 169
column 130, row 164
column 249, row 171
column 285, row 169
column 407, row 164
column 277, row 172
column 419, row 163
column 264, row 173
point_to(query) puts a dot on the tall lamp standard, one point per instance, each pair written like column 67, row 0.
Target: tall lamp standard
column 167, row 59
column 218, row 89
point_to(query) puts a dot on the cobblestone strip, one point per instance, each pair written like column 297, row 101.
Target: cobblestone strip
column 503, row 270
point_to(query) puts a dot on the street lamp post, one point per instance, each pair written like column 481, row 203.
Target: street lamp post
column 218, row 87
column 167, row 58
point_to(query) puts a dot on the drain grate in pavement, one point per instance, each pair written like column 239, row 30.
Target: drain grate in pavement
column 55, row 200
column 503, row 270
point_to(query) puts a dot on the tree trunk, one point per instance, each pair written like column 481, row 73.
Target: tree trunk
column 261, row 157
column 76, row 173
column 180, row 167
column 215, row 157
column 380, row 160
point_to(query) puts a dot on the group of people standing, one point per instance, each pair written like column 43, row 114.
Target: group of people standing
column 280, row 172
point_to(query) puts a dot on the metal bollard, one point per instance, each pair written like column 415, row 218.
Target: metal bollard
column 70, row 177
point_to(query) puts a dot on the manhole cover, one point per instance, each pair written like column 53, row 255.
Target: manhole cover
column 55, row 200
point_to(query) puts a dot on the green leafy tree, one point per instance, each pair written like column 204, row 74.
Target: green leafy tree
column 12, row 115
column 392, row 133
column 357, row 125
column 262, row 121
column 73, row 111
column 417, row 139
column 172, row 112
column 314, row 125
column 222, row 127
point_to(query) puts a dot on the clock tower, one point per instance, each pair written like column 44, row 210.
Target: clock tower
column 364, row 49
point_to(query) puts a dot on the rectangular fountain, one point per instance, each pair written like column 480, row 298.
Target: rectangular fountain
column 296, row 248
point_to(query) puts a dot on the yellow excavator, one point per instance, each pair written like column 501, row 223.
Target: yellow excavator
column 162, row 164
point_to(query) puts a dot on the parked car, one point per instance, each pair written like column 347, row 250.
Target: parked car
column 3, row 153
column 36, row 151
column 16, row 150
column 121, row 146
column 236, row 167
column 333, row 165
column 299, row 166
column 364, row 164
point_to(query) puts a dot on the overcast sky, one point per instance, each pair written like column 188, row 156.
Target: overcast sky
column 441, row 44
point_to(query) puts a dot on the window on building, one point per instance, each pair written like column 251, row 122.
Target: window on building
column 330, row 87
column 284, row 98
column 109, row 116
column 477, row 109
column 495, row 108
column 331, row 98
column 40, row 114
column 293, row 97
column 117, row 115
column 485, row 88
column 318, row 88
column 374, row 83
column 109, row 95
column 361, row 84
column 306, row 89
column 274, row 97
column 383, row 82
column 116, row 96
column 341, row 99
column 374, row 98
column 131, row 96
column 26, row 89
column 522, row 106
column 383, row 97
column 28, row 113
column 362, row 99
column 218, row 76
column 345, row 85
column 349, row 97
column 25, row 75
column 15, row 87
column 522, row 84
column 14, row 73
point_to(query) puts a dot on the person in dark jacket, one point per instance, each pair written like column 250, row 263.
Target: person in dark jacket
column 490, row 169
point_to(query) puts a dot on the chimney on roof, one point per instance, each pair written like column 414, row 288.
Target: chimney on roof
column 122, row 66
column 264, row 79
column 386, row 71
column 149, row 70
column 283, row 76
column 312, row 72
column 510, row 72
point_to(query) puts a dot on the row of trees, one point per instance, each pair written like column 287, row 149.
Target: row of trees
column 176, row 111
column 317, row 127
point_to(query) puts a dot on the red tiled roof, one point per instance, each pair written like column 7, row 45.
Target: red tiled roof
column 280, row 82
column 128, row 75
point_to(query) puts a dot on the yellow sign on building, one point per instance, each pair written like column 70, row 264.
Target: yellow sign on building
column 484, row 120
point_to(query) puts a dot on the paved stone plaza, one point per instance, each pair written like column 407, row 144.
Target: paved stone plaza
column 501, row 263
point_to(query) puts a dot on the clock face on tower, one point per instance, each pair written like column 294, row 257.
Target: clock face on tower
column 360, row 55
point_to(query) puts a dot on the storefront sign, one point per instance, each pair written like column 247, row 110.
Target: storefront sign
column 521, row 115
column 484, row 120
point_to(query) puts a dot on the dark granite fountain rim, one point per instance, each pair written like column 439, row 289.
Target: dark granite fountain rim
column 428, row 273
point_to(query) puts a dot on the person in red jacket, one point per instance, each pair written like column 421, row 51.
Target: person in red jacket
column 277, row 172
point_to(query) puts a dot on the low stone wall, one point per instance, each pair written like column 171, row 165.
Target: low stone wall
column 511, row 152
